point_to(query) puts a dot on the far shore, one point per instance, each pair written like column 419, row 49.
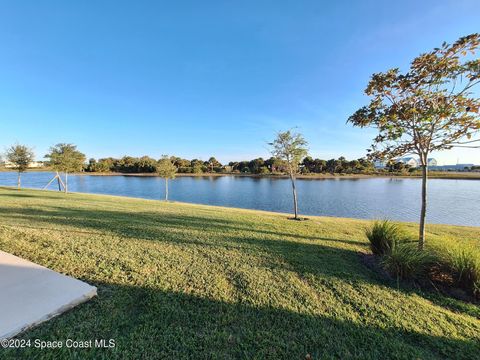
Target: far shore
column 432, row 175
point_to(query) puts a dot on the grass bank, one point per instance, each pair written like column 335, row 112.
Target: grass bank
column 190, row 281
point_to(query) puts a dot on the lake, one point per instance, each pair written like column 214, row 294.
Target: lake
column 450, row 201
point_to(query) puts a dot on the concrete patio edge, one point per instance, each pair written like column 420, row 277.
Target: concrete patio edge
column 31, row 294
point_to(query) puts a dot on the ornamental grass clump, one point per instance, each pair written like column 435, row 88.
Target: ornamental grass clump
column 383, row 237
column 406, row 261
column 464, row 266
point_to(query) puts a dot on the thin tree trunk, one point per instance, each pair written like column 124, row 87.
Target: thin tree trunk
column 423, row 212
column 66, row 182
column 19, row 181
column 166, row 189
column 294, row 189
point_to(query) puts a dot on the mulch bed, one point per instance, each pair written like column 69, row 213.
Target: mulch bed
column 438, row 280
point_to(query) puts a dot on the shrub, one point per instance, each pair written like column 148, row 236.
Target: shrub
column 405, row 261
column 464, row 264
column 383, row 236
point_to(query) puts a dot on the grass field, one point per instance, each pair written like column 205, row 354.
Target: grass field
column 189, row 281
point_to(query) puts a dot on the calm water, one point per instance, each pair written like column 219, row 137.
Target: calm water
column 451, row 201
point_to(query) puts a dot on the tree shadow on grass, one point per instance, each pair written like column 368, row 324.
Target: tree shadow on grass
column 150, row 323
column 149, row 225
column 298, row 254
column 304, row 255
column 18, row 195
column 22, row 192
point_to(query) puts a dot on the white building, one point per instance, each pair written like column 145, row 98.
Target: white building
column 410, row 161
column 414, row 163
column 33, row 164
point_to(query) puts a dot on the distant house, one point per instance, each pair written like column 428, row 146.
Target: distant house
column 33, row 164
column 410, row 161
column 431, row 162
column 414, row 163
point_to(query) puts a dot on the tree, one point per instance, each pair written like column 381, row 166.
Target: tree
column 167, row 170
column 290, row 147
column 92, row 165
column 182, row 165
column 333, row 166
column 308, row 164
column 213, row 163
column 320, row 165
column 342, row 164
column 197, row 166
column 243, row 166
column 102, row 165
column 256, row 165
column 366, row 165
column 146, row 165
column 234, row 165
column 396, row 166
column 65, row 158
column 275, row 164
column 20, row 156
column 127, row 164
column 429, row 108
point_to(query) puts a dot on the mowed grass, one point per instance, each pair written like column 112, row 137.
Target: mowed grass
column 189, row 281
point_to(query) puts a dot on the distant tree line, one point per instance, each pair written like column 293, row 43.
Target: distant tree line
column 273, row 165
column 65, row 158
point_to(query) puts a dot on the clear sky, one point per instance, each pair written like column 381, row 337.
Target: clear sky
column 202, row 78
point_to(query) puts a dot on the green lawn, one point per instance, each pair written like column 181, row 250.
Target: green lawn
column 189, row 281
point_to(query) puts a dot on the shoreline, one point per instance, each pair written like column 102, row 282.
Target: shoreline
column 432, row 175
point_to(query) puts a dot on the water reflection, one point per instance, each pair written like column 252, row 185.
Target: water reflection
column 451, row 201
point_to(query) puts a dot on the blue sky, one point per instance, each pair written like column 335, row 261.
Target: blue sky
column 203, row 78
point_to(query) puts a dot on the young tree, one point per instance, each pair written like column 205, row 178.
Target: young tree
column 290, row 147
column 20, row 156
column 65, row 158
column 429, row 108
column 167, row 170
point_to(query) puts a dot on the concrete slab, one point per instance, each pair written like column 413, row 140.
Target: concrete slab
column 31, row 294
